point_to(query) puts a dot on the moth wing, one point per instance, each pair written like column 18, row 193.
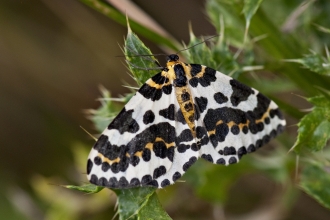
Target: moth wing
column 232, row 118
column 138, row 146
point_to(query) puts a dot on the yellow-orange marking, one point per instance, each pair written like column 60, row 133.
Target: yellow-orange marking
column 264, row 116
column 151, row 83
column 167, row 145
column 104, row 159
column 138, row 154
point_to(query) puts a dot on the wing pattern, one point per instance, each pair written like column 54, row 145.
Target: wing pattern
column 185, row 112
column 146, row 144
column 234, row 118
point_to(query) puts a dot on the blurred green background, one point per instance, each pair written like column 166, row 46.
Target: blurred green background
column 54, row 57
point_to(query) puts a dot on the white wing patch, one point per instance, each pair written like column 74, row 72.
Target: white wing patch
column 185, row 112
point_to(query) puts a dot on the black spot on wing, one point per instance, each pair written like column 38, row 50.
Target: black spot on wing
column 207, row 157
column 176, row 176
column 195, row 69
column 183, row 147
column 184, row 136
column 134, row 160
column 201, row 103
column 160, row 149
column 240, row 93
column 262, row 106
column 153, row 183
column 170, row 153
column 146, row 179
column 165, row 182
column 276, row 112
column 159, row 172
column 123, row 183
column 241, row 152
column 221, row 161
column 229, row 151
column 97, row 160
column 235, row 129
column 150, row 92
column 146, row 155
column 220, row 98
column 113, row 182
column 205, row 80
column 89, row 166
column 188, row 164
column 197, row 113
column 105, row 166
column 232, row 160
column 134, row 182
column 124, row 122
column 168, row 112
column 148, row 117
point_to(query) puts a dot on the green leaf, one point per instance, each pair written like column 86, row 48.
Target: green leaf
column 88, row 188
column 140, row 203
column 314, row 128
column 315, row 181
column 137, row 64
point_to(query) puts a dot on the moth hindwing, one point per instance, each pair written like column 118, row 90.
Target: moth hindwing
column 184, row 112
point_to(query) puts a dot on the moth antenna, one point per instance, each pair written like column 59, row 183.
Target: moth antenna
column 94, row 138
column 198, row 43
column 142, row 68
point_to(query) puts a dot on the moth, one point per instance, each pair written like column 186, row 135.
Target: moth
column 184, row 112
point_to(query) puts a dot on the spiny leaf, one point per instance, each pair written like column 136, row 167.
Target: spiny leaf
column 138, row 64
column 88, row 188
column 315, row 181
column 139, row 203
column 314, row 128
column 315, row 63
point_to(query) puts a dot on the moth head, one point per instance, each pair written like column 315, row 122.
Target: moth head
column 172, row 58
